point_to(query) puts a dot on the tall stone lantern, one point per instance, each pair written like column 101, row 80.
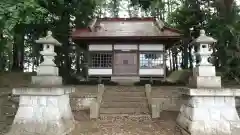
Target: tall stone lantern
column 204, row 68
column 47, row 72
column 207, row 109
column 48, row 67
column 44, row 107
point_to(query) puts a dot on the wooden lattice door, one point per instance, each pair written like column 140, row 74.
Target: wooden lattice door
column 125, row 63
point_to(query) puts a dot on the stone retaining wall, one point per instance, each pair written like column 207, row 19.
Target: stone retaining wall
column 8, row 108
column 169, row 98
column 87, row 98
column 82, row 98
column 81, row 103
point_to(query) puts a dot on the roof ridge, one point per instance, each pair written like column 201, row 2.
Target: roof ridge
column 92, row 24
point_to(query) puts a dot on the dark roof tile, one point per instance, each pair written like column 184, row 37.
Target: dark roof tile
column 121, row 27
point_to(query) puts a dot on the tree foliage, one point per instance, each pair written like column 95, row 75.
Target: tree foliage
column 23, row 21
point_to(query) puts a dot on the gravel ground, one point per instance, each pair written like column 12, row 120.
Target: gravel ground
column 125, row 126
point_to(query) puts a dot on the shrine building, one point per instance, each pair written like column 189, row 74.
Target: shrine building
column 126, row 48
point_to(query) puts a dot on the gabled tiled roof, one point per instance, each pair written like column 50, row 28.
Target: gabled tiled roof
column 122, row 27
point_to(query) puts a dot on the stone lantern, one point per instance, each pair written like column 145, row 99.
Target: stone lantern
column 44, row 106
column 208, row 109
column 204, row 67
column 48, row 67
column 204, row 50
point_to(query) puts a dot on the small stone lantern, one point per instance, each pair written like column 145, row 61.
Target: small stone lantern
column 48, row 67
column 204, row 48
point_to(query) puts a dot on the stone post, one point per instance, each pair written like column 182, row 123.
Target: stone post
column 44, row 107
column 153, row 104
column 155, row 108
column 95, row 105
column 209, row 109
column 94, row 109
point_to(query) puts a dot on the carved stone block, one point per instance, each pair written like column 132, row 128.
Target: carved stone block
column 209, row 113
column 46, row 115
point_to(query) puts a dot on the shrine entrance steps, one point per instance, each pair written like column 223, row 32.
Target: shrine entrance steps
column 127, row 101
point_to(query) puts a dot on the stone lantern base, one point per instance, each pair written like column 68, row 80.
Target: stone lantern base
column 47, row 80
column 209, row 112
column 43, row 111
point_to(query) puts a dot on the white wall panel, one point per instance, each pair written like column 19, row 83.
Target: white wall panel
column 125, row 47
column 151, row 71
column 100, row 47
column 92, row 71
column 151, row 47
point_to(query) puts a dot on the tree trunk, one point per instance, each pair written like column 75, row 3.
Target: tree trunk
column 18, row 49
column 170, row 60
column 176, row 59
column 173, row 60
column 115, row 8
column 62, row 59
column 174, row 51
column 182, row 62
column 185, row 54
column 190, row 57
column 78, row 59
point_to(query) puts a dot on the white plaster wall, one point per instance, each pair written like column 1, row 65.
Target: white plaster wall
column 125, row 47
column 100, row 71
column 151, row 47
column 100, row 47
column 151, row 71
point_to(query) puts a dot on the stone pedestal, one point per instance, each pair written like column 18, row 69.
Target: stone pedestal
column 43, row 111
column 205, row 77
column 209, row 112
column 47, row 80
column 209, row 109
column 205, row 82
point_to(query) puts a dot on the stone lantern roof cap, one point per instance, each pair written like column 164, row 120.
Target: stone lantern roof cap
column 48, row 40
column 204, row 39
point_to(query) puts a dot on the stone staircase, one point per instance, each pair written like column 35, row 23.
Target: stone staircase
column 124, row 101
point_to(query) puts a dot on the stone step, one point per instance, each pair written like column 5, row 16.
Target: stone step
column 9, row 114
column 10, row 105
column 122, row 98
column 124, row 104
column 9, row 110
column 125, row 117
column 136, row 111
column 125, row 80
column 124, row 89
column 125, row 93
column 14, row 99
